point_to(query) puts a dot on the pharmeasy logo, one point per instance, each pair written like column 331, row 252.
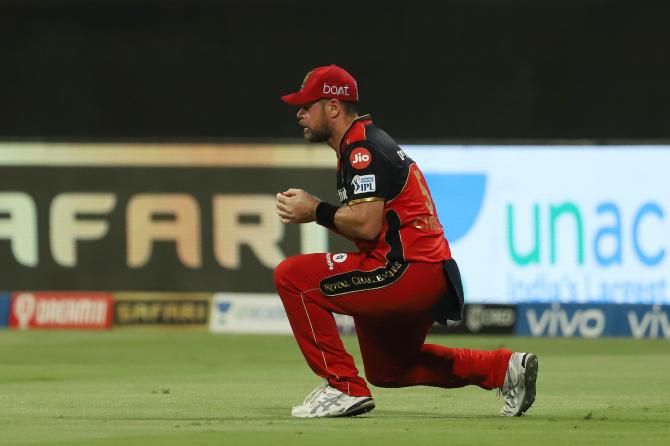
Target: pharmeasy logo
column 24, row 309
column 61, row 310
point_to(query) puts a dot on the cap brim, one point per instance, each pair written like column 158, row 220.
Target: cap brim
column 298, row 98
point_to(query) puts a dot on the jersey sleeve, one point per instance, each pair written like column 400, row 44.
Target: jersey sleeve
column 366, row 173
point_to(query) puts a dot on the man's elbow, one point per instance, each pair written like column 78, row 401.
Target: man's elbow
column 369, row 231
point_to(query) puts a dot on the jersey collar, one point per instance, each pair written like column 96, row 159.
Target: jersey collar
column 356, row 131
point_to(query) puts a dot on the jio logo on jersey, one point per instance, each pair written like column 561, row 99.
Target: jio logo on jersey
column 360, row 158
column 364, row 184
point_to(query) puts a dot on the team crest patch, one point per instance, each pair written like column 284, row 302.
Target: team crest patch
column 339, row 258
column 364, row 184
column 360, row 158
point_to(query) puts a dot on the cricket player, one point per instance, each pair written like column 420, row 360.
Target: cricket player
column 401, row 279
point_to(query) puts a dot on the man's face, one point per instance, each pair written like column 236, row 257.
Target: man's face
column 312, row 117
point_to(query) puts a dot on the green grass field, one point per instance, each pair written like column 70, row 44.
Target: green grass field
column 186, row 388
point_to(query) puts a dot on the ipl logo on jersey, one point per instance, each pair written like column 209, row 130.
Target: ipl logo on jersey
column 364, row 184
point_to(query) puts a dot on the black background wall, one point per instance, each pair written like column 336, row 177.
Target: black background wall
column 447, row 70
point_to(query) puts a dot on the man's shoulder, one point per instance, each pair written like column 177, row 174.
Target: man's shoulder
column 375, row 140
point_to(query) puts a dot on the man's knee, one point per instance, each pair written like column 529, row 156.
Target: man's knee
column 379, row 379
column 281, row 273
column 286, row 272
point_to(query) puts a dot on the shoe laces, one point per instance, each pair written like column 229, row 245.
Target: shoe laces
column 506, row 392
column 315, row 393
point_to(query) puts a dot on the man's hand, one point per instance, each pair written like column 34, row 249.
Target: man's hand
column 296, row 206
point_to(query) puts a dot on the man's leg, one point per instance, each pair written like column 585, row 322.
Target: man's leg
column 394, row 355
column 391, row 323
column 310, row 314
column 393, row 341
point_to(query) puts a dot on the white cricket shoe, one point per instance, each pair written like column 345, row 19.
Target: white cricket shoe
column 326, row 401
column 519, row 387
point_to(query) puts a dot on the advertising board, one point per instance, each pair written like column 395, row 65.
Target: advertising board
column 555, row 224
column 172, row 218
column 257, row 313
column 594, row 320
column 483, row 319
column 161, row 309
column 68, row 310
column 571, row 224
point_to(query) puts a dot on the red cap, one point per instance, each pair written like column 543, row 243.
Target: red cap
column 331, row 82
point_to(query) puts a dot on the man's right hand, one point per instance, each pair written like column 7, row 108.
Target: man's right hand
column 296, row 206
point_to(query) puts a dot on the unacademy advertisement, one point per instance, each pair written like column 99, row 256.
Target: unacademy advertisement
column 544, row 224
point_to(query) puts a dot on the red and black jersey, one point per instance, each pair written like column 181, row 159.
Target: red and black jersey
column 372, row 167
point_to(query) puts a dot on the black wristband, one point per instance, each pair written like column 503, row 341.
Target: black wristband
column 325, row 214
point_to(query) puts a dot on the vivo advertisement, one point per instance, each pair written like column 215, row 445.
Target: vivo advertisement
column 567, row 224
column 593, row 320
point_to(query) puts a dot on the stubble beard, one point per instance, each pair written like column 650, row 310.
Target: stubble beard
column 316, row 134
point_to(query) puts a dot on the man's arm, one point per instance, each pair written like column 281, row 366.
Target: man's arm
column 360, row 221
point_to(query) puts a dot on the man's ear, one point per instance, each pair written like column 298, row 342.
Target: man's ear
column 333, row 108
